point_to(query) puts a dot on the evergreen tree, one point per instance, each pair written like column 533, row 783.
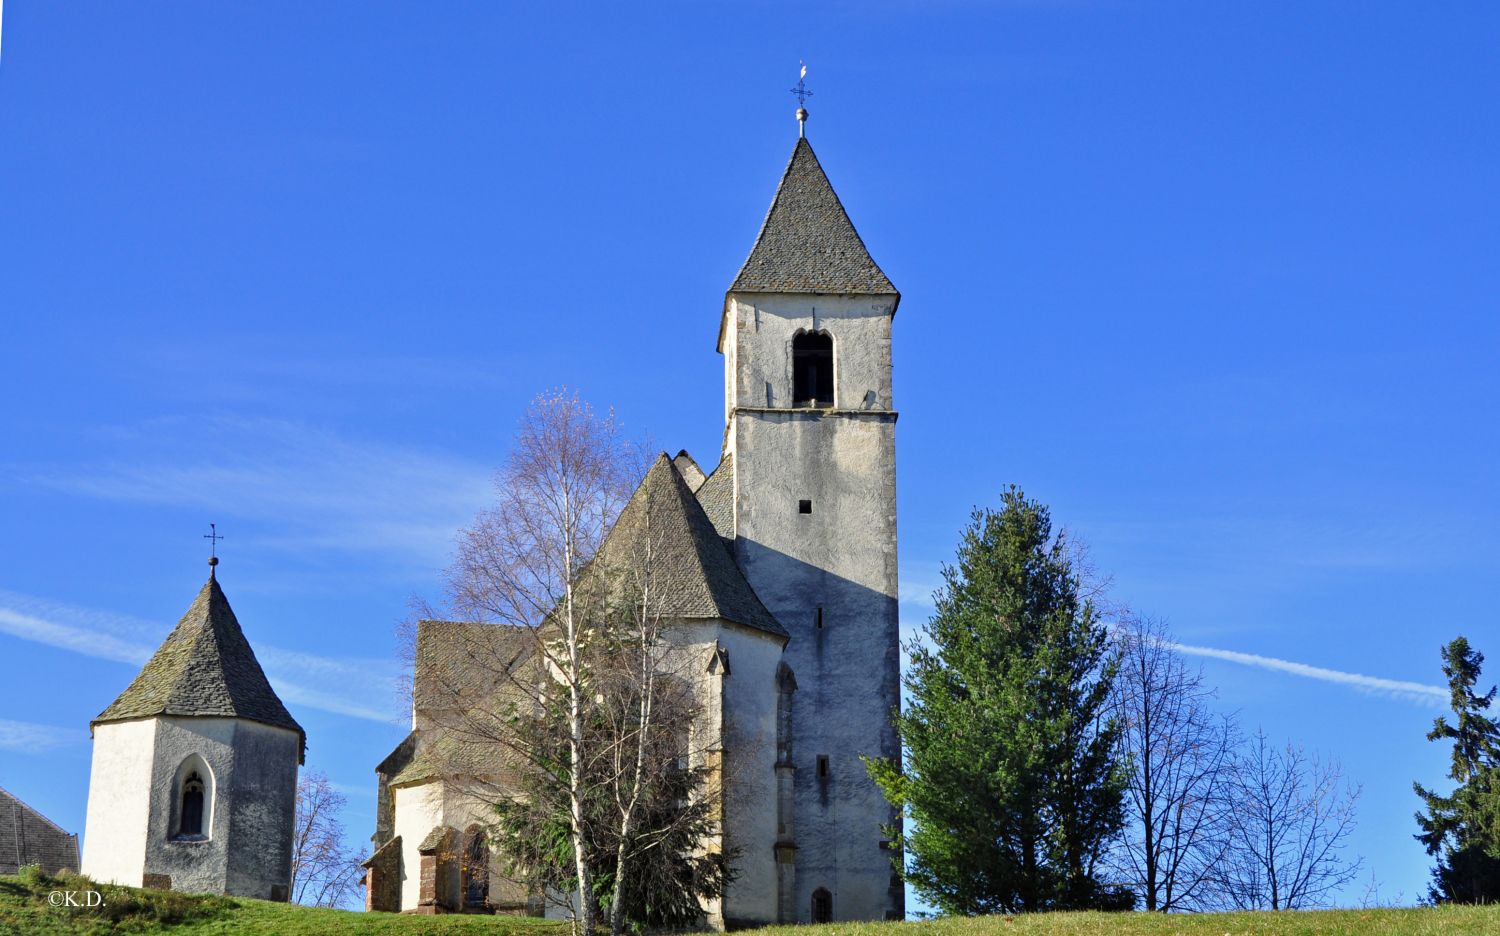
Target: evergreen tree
column 1009, row 775
column 1462, row 829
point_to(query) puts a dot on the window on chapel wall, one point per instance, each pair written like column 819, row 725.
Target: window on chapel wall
column 822, row 906
column 812, row 369
column 191, row 813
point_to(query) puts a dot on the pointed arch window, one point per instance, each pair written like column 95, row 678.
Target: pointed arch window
column 812, row 369
column 192, row 807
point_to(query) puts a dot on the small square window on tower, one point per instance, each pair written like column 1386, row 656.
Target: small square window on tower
column 822, row 766
column 804, row 506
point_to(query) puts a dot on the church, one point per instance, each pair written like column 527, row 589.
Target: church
column 783, row 587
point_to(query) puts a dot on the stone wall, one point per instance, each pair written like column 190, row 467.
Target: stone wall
column 249, row 775
column 383, row 878
column 815, row 534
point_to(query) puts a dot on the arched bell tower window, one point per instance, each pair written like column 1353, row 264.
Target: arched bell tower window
column 822, row 906
column 812, row 369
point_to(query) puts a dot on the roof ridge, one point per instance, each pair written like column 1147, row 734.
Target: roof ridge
column 35, row 812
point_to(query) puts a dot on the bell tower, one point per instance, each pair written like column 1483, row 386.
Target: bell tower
column 810, row 429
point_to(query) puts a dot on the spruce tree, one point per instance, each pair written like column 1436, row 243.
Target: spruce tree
column 1008, row 778
column 1462, row 829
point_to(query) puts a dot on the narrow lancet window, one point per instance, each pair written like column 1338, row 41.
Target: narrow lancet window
column 192, row 805
column 812, row 369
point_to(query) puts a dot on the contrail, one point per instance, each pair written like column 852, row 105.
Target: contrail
column 96, row 642
column 1414, row 691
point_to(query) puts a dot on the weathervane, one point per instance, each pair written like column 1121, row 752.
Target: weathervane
column 213, row 538
column 802, row 95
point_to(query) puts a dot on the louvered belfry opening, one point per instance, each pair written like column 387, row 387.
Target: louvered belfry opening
column 812, row 369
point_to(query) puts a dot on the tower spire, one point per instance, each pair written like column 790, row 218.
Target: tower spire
column 802, row 94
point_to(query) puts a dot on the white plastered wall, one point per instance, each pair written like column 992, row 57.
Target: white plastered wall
column 419, row 809
column 114, row 840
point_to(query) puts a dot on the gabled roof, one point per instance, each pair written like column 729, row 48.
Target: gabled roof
column 28, row 837
column 807, row 243
column 204, row 667
column 692, row 570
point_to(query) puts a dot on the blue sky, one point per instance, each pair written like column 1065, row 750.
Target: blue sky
column 1215, row 281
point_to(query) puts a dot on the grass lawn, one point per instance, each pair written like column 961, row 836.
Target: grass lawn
column 25, row 910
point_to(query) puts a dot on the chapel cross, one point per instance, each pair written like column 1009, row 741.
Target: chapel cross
column 213, row 538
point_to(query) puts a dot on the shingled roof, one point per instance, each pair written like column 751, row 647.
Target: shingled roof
column 807, row 243
column 458, row 663
column 716, row 494
column 204, row 667
column 28, row 837
column 694, row 573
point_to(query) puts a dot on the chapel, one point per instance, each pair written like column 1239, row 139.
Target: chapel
column 783, row 589
column 193, row 784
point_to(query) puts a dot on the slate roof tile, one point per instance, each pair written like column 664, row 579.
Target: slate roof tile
column 695, row 573
column 204, row 667
column 807, row 243
column 28, row 837
column 717, row 497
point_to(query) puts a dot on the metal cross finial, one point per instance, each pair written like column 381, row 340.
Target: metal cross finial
column 213, row 538
column 802, row 95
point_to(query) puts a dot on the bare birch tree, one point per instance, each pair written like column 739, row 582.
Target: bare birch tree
column 324, row 872
column 521, row 564
column 1180, row 756
column 1291, row 820
column 659, row 786
column 579, row 735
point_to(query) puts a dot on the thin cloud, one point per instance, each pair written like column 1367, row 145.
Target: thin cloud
column 325, row 490
column 1423, row 693
column 31, row 738
column 115, row 637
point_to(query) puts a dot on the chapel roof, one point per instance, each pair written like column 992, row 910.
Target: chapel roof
column 205, row 667
column 693, row 570
column 807, row 243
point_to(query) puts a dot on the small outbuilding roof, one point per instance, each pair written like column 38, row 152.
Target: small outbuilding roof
column 205, row 667
column 28, row 837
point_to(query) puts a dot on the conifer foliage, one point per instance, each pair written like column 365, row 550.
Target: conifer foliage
column 1462, row 829
column 1009, row 775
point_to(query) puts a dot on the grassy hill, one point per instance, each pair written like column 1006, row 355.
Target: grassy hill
column 25, row 910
